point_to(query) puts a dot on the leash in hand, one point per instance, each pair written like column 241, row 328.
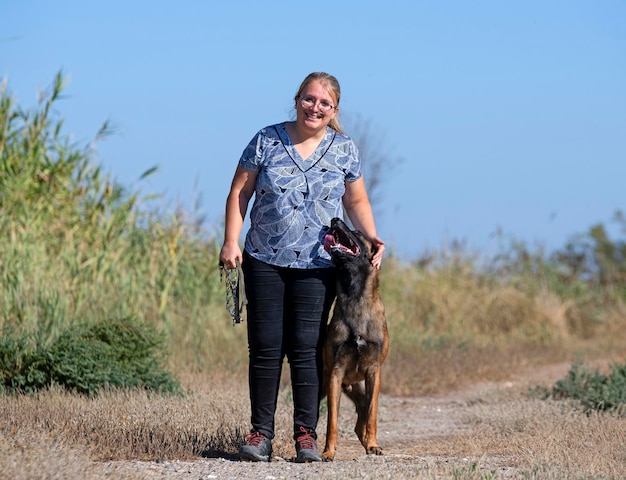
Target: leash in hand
column 235, row 291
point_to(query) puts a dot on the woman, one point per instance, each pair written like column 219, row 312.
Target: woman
column 301, row 172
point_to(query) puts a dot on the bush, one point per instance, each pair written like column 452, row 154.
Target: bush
column 88, row 357
column 592, row 389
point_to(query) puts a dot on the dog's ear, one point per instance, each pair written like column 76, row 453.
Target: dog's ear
column 367, row 246
column 372, row 249
column 372, row 252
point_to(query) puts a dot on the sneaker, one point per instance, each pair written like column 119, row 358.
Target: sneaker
column 258, row 448
column 306, row 448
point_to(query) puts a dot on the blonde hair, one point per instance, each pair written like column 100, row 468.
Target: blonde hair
column 332, row 85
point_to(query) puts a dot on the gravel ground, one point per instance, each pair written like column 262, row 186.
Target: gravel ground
column 389, row 466
column 404, row 425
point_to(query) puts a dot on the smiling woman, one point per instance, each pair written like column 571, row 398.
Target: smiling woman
column 302, row 174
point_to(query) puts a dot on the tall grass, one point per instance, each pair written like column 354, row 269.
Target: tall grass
column 76, row 247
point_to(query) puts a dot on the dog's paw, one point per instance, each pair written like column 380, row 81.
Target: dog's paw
column 328, row 456
column 375, row 450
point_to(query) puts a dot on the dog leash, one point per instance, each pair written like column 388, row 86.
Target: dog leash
column 235, row 291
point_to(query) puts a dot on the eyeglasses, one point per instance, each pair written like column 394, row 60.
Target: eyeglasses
column 308, row 102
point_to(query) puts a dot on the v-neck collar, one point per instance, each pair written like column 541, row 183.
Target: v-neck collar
column 305, row 164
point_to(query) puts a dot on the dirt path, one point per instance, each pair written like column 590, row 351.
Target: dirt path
column 421, row 438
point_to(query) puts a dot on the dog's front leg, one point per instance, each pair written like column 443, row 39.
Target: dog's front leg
column 334, row 394
column 372, row 387
column 356, row 393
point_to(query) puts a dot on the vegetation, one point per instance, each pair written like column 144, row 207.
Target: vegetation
column 78, row 248
column 86, row 358
column 99, row 289
column 590, row 388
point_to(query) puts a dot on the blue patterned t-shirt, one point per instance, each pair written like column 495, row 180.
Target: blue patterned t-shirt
column 296, row 198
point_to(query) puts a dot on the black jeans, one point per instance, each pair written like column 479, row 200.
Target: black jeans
column 287, row 313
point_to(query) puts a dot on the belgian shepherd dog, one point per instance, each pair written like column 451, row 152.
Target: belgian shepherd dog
column 357, row 340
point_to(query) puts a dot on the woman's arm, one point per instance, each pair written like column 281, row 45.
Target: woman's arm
column 359, row 210
column 241, row 190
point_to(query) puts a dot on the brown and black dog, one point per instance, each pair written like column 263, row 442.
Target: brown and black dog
column 357, row 340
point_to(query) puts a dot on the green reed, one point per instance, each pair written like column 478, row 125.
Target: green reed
column 77, row 246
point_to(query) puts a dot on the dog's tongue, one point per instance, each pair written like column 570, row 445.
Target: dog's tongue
column 329, row 241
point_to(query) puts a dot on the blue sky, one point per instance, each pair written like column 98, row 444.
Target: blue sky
column 491, row 114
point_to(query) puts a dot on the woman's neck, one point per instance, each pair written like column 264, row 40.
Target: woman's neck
column 303, row 135
column 306, row 142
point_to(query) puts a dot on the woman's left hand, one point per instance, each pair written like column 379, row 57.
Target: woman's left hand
column 379, row 248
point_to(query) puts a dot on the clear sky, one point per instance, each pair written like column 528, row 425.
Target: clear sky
column 493, row 114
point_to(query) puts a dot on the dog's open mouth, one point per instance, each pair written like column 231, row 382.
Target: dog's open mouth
column 339, row 240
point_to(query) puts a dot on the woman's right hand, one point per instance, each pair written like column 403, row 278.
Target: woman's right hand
column 230, row 254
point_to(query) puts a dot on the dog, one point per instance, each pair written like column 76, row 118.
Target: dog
column 357, row 340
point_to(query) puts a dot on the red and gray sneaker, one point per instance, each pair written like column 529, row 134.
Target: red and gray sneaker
column 258, row 448
column 306, row 448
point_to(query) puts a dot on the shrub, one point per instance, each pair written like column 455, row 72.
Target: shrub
column 592, row 389
column 88, row 357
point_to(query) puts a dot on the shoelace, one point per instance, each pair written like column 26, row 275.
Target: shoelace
column 306, row 440
column 255, row 439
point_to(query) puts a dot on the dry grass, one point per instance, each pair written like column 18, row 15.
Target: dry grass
column 548, row 436
column 431, row 372
column 486, row 432
column 537, row 439
column 136, row 424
